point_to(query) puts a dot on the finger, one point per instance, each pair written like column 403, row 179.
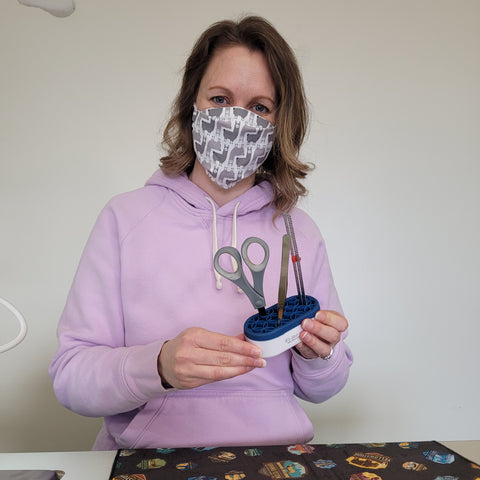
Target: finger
column 333, row 319
column 226, row 359
column 204, row 374
column 305, row 351
column 226, row 343
column 209, row 374
column 321, row 331
column 318, row 346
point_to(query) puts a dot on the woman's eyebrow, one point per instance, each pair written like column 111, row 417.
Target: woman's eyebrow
column 219, row 87
column 228, row 92
column 263, row 97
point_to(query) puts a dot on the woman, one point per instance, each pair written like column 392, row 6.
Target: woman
column 150, row 337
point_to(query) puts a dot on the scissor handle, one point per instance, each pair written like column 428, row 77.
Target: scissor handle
column 234, row 276
column 255, row 293
column 257, row 269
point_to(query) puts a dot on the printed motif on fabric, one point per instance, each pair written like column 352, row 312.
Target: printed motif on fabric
column 230, row 143
column 368, row 461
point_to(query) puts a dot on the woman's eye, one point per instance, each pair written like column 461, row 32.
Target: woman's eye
column 260, row 108
column 219, row 100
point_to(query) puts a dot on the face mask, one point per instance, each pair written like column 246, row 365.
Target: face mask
column 230, row 142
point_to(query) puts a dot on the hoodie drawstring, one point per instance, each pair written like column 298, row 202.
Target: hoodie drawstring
column 215, row 239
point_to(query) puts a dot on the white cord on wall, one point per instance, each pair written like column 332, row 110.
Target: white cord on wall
column 23, row 327
column 58, row 8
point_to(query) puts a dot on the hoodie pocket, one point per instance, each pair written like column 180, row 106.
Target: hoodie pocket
column 207, row 418
column 140, row 423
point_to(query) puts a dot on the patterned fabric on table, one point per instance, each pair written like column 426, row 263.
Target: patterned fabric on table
column 366, row 461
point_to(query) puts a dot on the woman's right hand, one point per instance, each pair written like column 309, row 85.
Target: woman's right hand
column 197, row 357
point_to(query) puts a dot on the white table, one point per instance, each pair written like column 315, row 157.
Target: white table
column 97, row 465
column 76, row 465
column 469, row 449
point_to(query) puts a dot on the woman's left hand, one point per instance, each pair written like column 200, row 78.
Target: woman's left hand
column 321, row 334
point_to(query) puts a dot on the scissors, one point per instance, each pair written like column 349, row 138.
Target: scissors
column 255, row 293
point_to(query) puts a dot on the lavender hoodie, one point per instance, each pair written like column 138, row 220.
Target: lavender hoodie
column 146, row 275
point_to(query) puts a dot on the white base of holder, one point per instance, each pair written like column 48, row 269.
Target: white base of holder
column 279, row 344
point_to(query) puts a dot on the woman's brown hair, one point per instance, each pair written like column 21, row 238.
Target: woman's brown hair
column 282, row 169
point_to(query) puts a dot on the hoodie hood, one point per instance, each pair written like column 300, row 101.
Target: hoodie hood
column 192, row 197
column 256, row 198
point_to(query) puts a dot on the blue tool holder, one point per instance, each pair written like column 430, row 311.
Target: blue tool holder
column 260, row 329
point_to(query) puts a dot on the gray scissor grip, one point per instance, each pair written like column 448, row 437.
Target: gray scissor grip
column 257, row 269
column 237, row 273
column 237, row 276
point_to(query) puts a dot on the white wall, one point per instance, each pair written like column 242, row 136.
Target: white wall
column 394, row 88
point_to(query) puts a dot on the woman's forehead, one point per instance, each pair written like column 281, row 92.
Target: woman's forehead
column 238, row 67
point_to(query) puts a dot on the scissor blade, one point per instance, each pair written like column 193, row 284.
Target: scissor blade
column 282, row 287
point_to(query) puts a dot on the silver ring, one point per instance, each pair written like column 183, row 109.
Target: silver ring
column 329, row 356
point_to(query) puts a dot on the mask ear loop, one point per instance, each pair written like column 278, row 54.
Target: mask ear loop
column 23, row 327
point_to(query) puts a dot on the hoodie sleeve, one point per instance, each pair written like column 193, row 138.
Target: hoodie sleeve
column 93, row 372
column 316, row 380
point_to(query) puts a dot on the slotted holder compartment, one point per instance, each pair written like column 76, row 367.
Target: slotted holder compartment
column 273, row 337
